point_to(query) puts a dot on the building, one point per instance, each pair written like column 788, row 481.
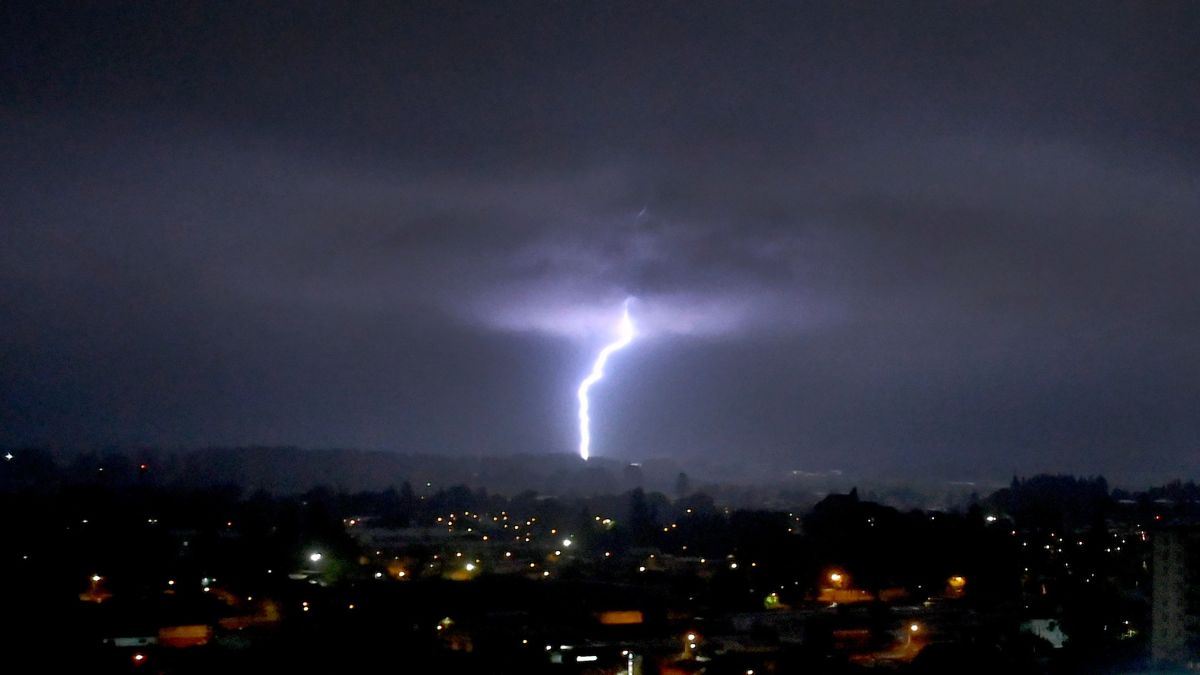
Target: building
column 1175, row 614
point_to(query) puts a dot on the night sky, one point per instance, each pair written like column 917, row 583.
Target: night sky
column 904, row 238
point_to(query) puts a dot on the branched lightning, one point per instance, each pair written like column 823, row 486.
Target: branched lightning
column 625, row 333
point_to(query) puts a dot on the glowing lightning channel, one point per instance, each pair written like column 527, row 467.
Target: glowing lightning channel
column 626, row 331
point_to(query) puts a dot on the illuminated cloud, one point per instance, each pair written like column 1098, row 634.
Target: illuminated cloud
column 885, row 238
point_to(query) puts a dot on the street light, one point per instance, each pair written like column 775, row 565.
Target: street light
column 913, row 629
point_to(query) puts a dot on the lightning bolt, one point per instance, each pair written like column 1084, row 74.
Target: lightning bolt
column 625, row 333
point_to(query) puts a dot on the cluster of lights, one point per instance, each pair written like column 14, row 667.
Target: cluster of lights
column 836, row 577
column 524, row 531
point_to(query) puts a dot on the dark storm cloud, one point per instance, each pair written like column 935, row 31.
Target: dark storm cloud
column 859, row 235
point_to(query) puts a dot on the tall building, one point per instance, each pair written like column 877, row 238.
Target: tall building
column 1175, row 614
